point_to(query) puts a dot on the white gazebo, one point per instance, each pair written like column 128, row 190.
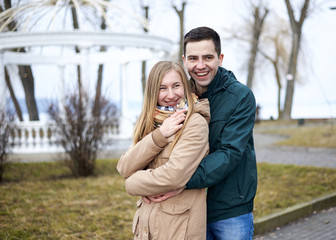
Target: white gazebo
column 38, row 136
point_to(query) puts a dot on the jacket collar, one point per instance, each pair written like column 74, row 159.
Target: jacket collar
column 222, row 81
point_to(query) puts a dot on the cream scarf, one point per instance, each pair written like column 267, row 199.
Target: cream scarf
column 162, row 112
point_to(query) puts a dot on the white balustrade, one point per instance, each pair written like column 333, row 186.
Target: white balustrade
column 43, row 137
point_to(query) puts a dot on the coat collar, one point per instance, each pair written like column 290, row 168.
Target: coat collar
column 222, row 81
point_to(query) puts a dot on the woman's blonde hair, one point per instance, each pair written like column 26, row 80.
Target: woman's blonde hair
column 145, row 122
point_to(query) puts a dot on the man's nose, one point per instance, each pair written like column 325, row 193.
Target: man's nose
column 200, row 64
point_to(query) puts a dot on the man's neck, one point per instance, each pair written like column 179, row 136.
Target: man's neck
column 200, row 90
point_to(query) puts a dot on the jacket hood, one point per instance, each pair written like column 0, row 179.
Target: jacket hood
column 202, row 107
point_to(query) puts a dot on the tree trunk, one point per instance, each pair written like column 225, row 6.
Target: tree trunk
column 76, row 26
column 100, row 71
column 291, row 76
column 257, row 27
column 180, row 14
column 12, row 94
column 143, row 76
column 26, row 76
column 144, row 64
column 296, row 41
column 27, row 80
column 278, row 80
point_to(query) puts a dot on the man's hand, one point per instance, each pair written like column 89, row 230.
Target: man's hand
column 162, row 197
column 174, row 123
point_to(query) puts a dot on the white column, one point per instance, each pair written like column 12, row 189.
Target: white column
column 3, row 86
column 123, row 86
column 85, row 65
column 126, row 126
column 61, row 101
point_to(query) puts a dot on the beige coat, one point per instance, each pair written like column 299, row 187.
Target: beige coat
column 182, row 216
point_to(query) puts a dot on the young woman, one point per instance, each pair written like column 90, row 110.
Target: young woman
column 170, row 139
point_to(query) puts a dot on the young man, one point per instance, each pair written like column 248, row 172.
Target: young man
column 229, row 171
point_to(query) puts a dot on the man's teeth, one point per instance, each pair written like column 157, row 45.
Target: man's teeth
column 201, row 74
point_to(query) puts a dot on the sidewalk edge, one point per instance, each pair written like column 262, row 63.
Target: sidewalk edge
column 278, row 219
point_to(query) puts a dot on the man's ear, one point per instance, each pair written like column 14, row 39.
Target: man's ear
column 220, row 58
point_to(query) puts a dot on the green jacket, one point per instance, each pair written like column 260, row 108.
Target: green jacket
column 229, row 171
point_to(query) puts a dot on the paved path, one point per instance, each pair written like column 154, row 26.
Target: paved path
column 266, row 151
column 319, row 226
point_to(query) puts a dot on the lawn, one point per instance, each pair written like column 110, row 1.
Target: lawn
column 312, row 134
column 42, row 201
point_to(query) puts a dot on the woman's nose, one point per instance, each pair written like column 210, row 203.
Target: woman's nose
column 171, row 93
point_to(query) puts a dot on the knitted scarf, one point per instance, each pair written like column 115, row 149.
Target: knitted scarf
column 162, row 112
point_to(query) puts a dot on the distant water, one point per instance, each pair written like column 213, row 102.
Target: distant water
column 132, row 111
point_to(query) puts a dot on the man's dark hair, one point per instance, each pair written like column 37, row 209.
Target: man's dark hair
column 202, row 33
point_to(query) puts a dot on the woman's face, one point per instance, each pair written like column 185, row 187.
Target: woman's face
column 171, row 89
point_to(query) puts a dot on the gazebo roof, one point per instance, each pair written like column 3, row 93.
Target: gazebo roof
column 83, row 39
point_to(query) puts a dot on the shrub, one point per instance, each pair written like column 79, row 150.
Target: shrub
column 81, row 126
column 6, row 127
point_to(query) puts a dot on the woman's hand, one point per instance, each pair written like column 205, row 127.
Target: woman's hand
column 174, row 123
column 162, row 197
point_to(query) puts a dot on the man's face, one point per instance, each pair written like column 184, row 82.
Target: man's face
column 202, row 62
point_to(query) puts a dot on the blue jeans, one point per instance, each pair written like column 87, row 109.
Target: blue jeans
column 236, row 228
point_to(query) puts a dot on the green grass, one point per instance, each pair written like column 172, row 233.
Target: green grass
column 309, row 136
column 281, row 186
column 313, row 134
column 42, row 201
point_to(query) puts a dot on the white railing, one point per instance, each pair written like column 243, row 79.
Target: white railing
column 43, row 137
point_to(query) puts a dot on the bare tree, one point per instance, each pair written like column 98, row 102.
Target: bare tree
column 250, row 32
column 296, row 27
column 180, row 13
column 275, row 51
column 75, row 24
column 260, row 12
column 100, row 67
column 26, row 74
column 11, row 90
column 145, row 8
column 13, row 96
column 27, row 79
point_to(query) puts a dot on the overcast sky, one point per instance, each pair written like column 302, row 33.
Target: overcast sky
column 314, row 97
